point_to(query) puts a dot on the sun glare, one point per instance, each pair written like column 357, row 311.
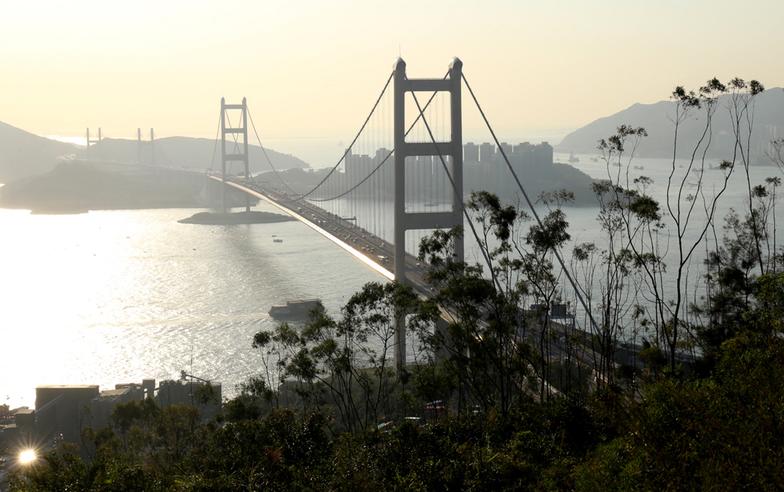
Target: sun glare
column 27, row 456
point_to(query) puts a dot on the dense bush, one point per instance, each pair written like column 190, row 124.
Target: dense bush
column 724, row 432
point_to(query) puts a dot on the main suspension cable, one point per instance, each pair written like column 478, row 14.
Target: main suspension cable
column 530, row 205
column 386, row 158
column 266, row 156
column 356, row 137
column 456, row 192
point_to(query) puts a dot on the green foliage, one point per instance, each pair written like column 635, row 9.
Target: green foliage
column 722, row 431
column 343, row 366
column 329, row 412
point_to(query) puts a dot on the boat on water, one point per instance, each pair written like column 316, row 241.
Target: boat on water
column 573, row 158
column 277, row 240
column 296, row 310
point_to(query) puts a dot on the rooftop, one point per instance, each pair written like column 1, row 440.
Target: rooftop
column 67, row 386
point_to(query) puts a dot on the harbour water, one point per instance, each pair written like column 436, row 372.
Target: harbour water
column 115, row 296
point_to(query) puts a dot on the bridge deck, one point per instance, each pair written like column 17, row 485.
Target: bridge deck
column 375, row 252
column 371, row 250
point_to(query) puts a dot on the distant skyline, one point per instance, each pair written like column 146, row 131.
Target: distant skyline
column 311, row 70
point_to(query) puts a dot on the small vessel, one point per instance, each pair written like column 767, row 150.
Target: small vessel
column 572, row 158
column 277, row 240
column 296, row 310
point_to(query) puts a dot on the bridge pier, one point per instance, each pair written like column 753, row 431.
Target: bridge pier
column 403, row 220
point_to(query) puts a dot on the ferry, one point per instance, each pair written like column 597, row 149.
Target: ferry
column 296, row 310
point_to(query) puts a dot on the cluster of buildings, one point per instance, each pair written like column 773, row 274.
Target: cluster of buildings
column 62, row 412
column 525, row 155
column 483, row 168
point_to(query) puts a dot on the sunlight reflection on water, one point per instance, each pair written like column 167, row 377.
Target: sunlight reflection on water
column 117, row 296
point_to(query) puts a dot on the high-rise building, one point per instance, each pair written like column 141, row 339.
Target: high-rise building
column 470, row 153
column 351, row 162
column 486, row 153
column 522, row 155
column 381, row 154
column 507, row 149
column 357, row 167
column 543, row 155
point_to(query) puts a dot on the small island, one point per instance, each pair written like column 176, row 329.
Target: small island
column 79, row 186
column 236, row 218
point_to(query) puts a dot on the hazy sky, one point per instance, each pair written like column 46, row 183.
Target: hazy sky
column 311, row 69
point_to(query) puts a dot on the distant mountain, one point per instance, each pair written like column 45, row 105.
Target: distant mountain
column 23, row 154
column 657, row 119
column 187, row 152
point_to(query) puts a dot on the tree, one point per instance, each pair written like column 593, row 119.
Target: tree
column 667, row 308
column 349, row 358
column 487, row 336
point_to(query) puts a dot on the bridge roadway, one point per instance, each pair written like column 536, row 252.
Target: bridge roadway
column 378, row 254
column 371, row 250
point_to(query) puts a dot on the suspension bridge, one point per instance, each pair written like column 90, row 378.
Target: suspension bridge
column 400, row 178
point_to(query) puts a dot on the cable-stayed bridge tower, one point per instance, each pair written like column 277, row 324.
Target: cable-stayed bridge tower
column 449, row 153
column 362, row 186
column 149, row 158
column 238, row 151
column 351, row 203
column 93, row 141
